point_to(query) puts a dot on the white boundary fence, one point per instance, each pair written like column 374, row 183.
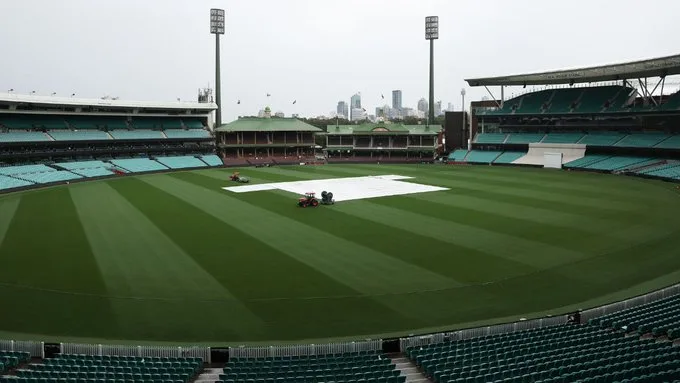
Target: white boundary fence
column 36, row 349
column 304, row 349
column 503, row 328
column 140, row 351
column 669, row 291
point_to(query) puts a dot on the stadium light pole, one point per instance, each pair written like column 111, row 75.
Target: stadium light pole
column 217, row 29
column 431, row 33
column 462, row 103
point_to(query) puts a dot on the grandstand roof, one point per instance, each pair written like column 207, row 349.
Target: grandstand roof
column 14, row 98
column 381, row 129
column 261, row 124
column 663, row 66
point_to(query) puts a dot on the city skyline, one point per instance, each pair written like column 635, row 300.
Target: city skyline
column 291, row 64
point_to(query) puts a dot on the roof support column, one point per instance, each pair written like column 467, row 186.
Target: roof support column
column 492, row 97
column 502, row 95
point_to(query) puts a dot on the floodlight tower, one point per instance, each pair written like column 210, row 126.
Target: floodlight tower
column 217, row 29
column 431, row 33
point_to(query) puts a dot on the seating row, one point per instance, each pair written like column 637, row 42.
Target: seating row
column 634, row 140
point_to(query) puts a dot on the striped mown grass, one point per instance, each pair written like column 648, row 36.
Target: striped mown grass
column 174, row 258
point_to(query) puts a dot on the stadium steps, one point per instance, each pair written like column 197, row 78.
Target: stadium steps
column 408, row 369
column 163, row 134
column 209, row 375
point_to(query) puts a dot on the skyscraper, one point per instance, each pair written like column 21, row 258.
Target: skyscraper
column 396, row 99
column 437, row 108
column 342, row 109
column 355, row 103
column 423, row 105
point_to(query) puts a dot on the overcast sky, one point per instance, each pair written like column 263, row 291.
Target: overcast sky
column 314, row 51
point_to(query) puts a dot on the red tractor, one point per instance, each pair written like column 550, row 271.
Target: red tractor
column 308, row 200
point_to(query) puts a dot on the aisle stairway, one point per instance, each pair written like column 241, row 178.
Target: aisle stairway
column 408, row 369
column 209, row 375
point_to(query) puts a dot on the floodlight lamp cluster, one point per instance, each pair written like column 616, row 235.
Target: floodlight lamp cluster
column 217, row 21
column 431, row 27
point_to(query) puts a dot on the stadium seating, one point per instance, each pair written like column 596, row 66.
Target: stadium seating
column 181, row 162
column 88, row 368
column 587, row 160
column 508, row 157
column 601, row 98
column 524, row 138
column 157, row 123
column 669, row 170
column 193, row 124
column 601, row 138
column 191, row 133
column 562, row 138
column 136, row 134
column 672, row 142
column 347, row 367
column 12, row 359
column 87, row 168
column 23, row 136
column 642, row 140
column 11, row 170
column 48, row 177
column 212, row 160
column 564, row 353
column 137, row 165
column 490, row 138
column 564, row 100
column 482, row 157
column 11, row 183
column 79, row 135
column 458, row 155
column 617, row 163
column 109, row 123
column 661, row 318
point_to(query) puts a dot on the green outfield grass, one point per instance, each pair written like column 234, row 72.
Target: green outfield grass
column 174, row 258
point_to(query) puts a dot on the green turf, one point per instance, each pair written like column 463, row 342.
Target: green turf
column 174, row 258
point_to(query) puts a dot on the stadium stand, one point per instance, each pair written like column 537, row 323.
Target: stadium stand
column 564, row 353
column 458, row 155
column 642, row 140
column 524, row 138
column 586, row 161
column 48, row 177
column 660, row 318
column 140, row 134
column 347, row 367
column 12, row 359
column 672, row 142
column 491, row 138
column 79, row 135
column 191, row 133
column 11, row 183
column 181, row 162
column 617, row 163
column 101, row 122
column 562, row 138
column 212, row 160
column 193, row 124
column 482, row 157
column 138, row 165
column 20, row 169
column 23, row 136
column 669, row 170
column 508, row 157
column 87, row 169
column 602, row 138
column 88, row 368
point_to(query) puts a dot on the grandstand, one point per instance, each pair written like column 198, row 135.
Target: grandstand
column 623, row 127
column 266, row 140
column 382, row 142
column 93, row 138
